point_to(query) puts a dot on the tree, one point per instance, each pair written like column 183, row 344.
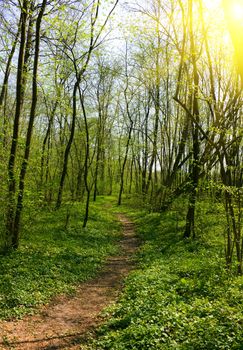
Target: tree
column 14, row 213
column 80, row 66
column 20, row 87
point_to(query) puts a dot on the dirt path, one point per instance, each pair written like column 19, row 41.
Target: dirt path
column 64, row 323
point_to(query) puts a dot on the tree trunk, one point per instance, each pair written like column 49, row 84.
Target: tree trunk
column 16, row 228
column 124, row 163
column 68, row 147
column 190, row 218
column 15, row 135
column 4, row 89
column 86, row 163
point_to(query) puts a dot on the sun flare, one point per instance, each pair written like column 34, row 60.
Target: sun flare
column 234, row 10
column 237, row 10
column 234, row 15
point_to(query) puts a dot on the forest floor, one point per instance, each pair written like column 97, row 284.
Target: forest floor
column 67, row 321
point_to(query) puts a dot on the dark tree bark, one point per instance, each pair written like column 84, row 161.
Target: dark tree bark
column 68, row 147
column 46, row 142
column 19, row 207
column 195, row 171
column 4, row 89
column 98, row 148
column 129, row 137
column 86, row 162
column 15, row 135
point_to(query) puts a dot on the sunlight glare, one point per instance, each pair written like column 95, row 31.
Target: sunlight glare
column 237, row 10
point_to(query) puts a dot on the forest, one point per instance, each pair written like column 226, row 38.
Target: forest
column 134, row 108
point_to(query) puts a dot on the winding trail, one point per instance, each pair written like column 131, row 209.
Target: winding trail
column 66, row 321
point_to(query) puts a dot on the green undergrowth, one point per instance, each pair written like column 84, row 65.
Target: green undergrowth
column 181, row 296
column 55, row 254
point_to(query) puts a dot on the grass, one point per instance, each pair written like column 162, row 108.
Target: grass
column 181, row 296
column 52, row 259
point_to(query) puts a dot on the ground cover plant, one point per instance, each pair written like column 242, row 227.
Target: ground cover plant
column 55, row 254
column 139, row 99
column 181, row 296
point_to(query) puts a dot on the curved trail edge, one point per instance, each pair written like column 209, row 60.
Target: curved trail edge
column 66, row 321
